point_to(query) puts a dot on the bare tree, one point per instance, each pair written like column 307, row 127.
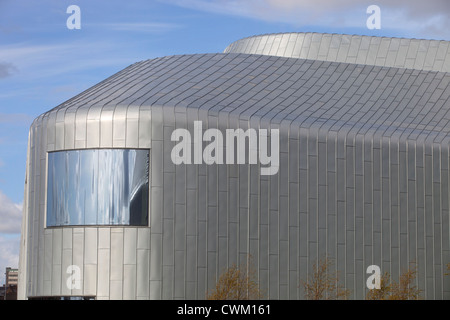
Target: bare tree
column 236, row 283
column 323, row 283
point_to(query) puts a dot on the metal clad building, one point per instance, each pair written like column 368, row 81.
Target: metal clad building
column 363, row 174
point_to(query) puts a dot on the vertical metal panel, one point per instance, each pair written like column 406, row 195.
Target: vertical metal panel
column 191, row 257
column 156, row 209
column 69, row 130
column 116, row 289
column 119, row 127
column 167, row 291
column 143, row 238
column 201, row 283
column 77, row 259
column 155, row 290
column 51, row 132
column 104, row 263
column 67, row 259
column 80, row 127
column 132, row 132
column 191, row 212
column 90, row 246
column 106, row 128
column 117, row 254
column 56, row 279
column 59, row 133
column 90, row 280
column 93, row 134
column 143, row 263
column 142, row 274
column 156, row 257
column 129, row 245
column 146, row 127
column 129, row 282
column 56, row 261
column 298, row 45
column 47, row 270
column 179, row 275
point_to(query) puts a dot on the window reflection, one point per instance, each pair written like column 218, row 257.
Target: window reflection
column 98, row 187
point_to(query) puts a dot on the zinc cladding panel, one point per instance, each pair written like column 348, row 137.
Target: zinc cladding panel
column 51, row 132
column 56, row 261
column 77, row 259
column 119, row 127
column 106, row 127
column 80, row 127
column 165, row 263
column 298, row 45
column 315, row 46
column 67, row 258
column 69, row 130
column 381, row 52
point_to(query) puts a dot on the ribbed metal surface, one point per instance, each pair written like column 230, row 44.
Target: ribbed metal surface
column 363, row 178
column 421, row 54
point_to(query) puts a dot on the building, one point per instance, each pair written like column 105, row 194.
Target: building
column 11, row 276
column 150, row 183
column 9, row 290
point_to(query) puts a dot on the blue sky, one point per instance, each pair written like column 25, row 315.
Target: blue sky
column 43, row 63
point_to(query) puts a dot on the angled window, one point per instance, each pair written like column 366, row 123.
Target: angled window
column 98, row 187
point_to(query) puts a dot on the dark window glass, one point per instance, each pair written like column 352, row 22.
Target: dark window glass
column 98, row 187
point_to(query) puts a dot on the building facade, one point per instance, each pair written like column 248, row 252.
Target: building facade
column 284, row 149
column 11, row 276
column 9, row 290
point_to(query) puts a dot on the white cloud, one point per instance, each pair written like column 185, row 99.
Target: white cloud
column 425, row 18
column 10, row 215
column 9, row 254
column 10, row 227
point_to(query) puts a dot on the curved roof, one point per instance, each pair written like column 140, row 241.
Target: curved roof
column 406, row 103
column 433, row 55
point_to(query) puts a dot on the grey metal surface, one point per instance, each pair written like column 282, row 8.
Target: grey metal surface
column 421, row 54
column 363, row 177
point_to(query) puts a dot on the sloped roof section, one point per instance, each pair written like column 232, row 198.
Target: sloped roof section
column 334, row 96
column 432, row 55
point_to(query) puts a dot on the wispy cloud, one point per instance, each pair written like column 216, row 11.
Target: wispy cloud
column 7, row 69
column 427, row 18
column 145, row 27
column 10, row 215
column 49, row 60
